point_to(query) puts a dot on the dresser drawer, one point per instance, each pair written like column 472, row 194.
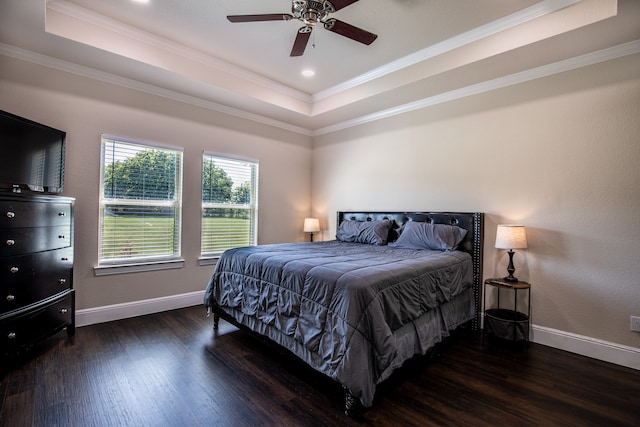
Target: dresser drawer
column 29, row 278
column 18, row 241
column 16, row 213
column 24, row 328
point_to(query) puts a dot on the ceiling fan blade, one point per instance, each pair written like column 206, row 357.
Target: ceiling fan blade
column 340, row 4
column 257, row 18
column 301, row 41
column 350, row 31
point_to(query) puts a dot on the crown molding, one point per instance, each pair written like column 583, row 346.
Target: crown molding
column 513, row 20
column 603, row 55
column 510, row 21
column 581, row 61
column 92, row 73
column 95, row 19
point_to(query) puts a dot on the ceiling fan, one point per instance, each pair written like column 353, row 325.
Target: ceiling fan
column 312, row 13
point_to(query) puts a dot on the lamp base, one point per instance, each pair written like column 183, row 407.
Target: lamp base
column 510, row 268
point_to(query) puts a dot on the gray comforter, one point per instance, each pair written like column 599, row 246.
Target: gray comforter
column 340, row 306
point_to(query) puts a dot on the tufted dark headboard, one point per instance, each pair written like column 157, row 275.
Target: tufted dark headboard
column 472, row 243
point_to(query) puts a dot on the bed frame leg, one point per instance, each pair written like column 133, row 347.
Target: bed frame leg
column 216, row 321
column 351, row 404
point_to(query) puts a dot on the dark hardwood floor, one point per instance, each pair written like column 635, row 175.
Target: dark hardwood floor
column 170, row 369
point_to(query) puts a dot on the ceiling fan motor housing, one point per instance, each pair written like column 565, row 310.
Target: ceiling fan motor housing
column 311, row 12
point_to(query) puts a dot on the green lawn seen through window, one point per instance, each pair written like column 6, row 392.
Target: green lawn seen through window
column 221, row 233
column 143, row 236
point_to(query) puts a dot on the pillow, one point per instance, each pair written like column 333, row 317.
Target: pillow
column 424, row 235
column 368, row 232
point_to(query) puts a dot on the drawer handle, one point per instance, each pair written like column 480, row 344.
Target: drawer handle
column 11, row 335
column 62, row 214
column 14, row 269
column 10, row 297
column 11, row 214
column 10, row 242
column 62, row 281
column 64, row 258
column 64, row 311
column 61, row 236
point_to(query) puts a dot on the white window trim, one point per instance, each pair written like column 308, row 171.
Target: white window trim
column 229, row 156
column 210, row 258
column 107, row 270
column 139, row 265
column 141, row 142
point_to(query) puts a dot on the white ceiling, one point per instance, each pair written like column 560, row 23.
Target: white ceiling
column 427, row 51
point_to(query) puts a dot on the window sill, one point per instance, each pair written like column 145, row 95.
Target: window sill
column 106, row 270
column 208, row 259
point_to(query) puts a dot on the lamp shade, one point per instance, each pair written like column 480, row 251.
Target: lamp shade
column 511, row 237
column 311, row 225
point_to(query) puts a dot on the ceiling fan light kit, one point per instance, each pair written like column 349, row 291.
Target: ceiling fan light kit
column 312, row 13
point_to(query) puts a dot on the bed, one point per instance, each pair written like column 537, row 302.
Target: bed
column 389, row 288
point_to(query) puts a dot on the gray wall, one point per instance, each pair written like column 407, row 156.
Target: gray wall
column 560, row 155
column 85, row 109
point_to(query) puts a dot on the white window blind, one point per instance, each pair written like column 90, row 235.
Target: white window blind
column 140, row 203
column 229, row 204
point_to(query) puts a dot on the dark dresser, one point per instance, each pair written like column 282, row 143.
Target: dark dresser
column 36, row 269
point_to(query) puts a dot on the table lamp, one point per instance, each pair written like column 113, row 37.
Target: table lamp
column 311, row 225
column 511, row 237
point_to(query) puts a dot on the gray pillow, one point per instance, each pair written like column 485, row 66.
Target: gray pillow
column 369, row 232
column 424, row 235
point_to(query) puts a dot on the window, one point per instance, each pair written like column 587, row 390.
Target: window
column 229, row 204
column 140, row 203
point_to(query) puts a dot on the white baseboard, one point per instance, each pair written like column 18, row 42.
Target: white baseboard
column 586, row 346
column 579, row 344
column 109, row 313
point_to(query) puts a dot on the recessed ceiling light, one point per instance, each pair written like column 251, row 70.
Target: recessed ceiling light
column 141, row 1
column 308, row 73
